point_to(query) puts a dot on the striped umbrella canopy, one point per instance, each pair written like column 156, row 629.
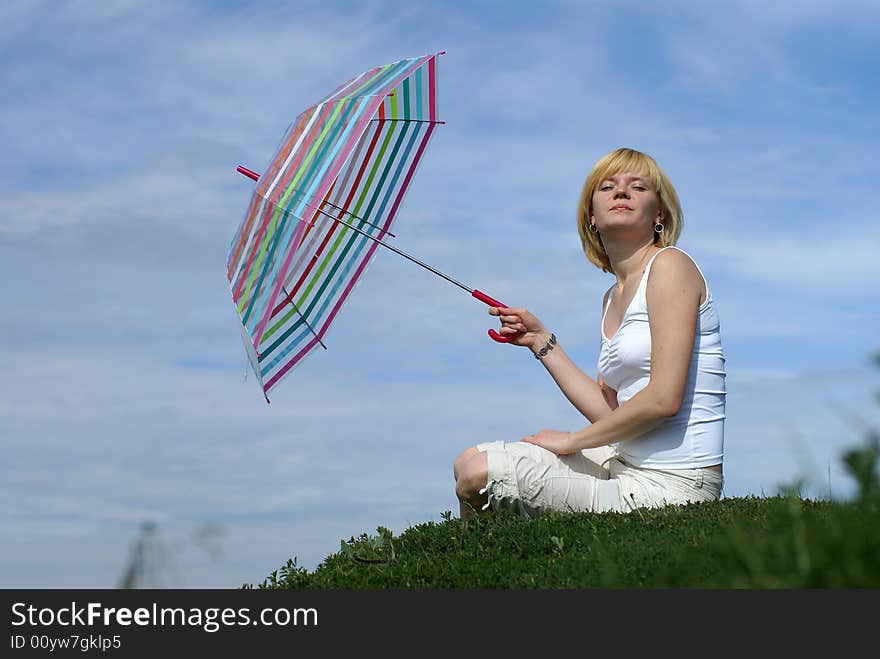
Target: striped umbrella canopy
column 331, row 190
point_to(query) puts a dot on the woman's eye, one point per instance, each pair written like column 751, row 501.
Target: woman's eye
column 605, row 187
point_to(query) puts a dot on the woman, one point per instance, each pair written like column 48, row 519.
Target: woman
column 657, row 407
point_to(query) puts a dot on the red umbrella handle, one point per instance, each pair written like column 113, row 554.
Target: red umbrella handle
column 482, row 297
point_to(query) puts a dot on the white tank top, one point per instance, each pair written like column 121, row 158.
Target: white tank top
column 695, row 436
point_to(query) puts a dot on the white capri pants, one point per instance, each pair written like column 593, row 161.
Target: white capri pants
column 528, row 480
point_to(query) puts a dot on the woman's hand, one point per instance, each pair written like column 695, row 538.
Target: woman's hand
column 518, row 320
column 553, row 440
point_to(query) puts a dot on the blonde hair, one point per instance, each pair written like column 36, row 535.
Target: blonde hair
column 627, row 160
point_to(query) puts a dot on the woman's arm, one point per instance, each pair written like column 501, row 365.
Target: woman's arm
column 673, row 294
column 582, row 391
column 588, row 396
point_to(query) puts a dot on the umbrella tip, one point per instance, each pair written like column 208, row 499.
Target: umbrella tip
column 247, row 172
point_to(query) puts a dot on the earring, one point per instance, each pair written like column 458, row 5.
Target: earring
column 658, row 227
column 594, row 228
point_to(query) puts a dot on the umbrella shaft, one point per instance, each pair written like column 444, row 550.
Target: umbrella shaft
column 402, row 253
column 425, row 266
column 256, row 177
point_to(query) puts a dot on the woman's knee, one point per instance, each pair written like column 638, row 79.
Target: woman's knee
column 473, row 475
column 462, row 459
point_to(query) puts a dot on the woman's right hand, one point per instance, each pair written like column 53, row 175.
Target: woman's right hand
column 516, row 320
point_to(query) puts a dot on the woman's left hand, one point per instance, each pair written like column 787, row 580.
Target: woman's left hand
column 553, row 440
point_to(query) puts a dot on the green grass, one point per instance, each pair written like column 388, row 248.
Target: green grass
column 755, row 542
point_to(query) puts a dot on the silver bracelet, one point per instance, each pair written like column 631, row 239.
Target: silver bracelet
column 547, row 347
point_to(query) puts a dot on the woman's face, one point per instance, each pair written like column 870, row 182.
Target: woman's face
column 625, row 202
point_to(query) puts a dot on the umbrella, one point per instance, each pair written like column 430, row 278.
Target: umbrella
column 323, row 205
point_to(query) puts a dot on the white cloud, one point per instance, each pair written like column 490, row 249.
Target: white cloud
column 830, row 263
column 783, row 427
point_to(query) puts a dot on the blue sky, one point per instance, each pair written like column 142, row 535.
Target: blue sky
column 126, row 398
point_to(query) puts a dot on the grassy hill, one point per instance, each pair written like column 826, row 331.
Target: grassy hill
column 755, row 542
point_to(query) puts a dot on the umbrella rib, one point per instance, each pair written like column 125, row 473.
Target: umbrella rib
column 342, row 210
column 411, row 121
column 290, row 299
